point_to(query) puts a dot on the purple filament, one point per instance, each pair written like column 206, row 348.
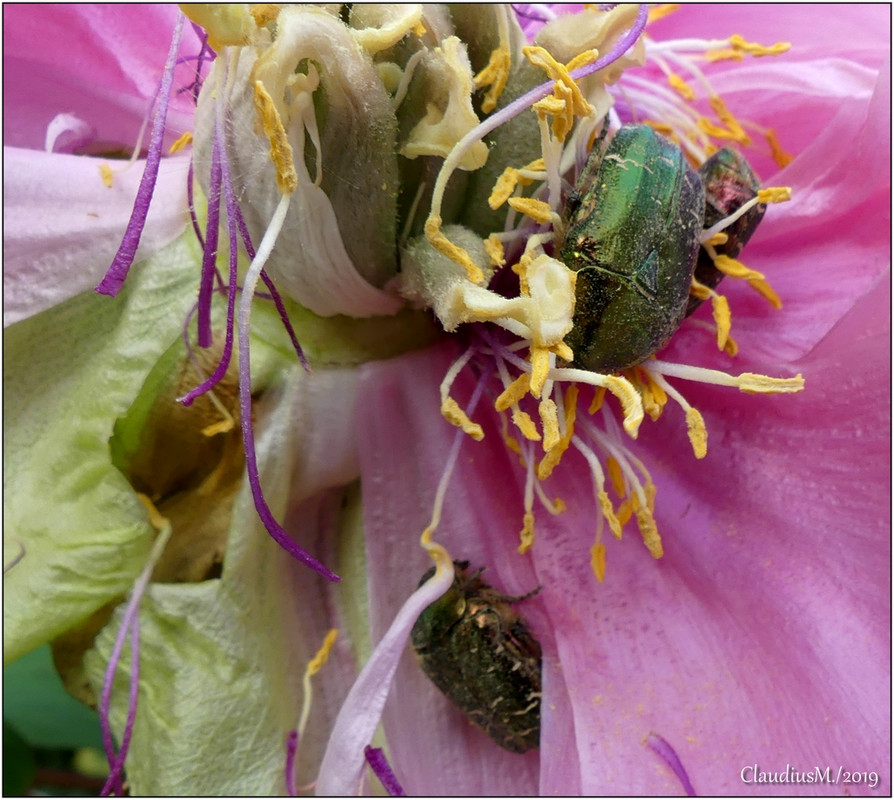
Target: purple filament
column 117, row 273
column 113, row 784
column 209, row 255
column 661, row 746
column 380, row 766
column 291, row 751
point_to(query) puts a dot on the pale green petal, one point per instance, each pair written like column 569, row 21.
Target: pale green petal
column 68, row 373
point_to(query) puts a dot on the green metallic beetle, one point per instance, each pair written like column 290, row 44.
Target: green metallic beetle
column 632, row 236
column 729, row 184
column 479, row 652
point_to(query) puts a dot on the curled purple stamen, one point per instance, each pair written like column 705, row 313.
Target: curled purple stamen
column 375, row 757
column 661, row 746
column 209, row 255
column 113, row 784
column 117, row 273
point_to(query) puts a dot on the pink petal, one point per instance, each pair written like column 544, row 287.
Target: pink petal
column 63, row 225
column 99, row 62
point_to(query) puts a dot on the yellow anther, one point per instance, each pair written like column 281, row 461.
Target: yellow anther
column 225, row 23
column 664, row 128
column 735, row 269
column 526, row 425
column 512, row 444
column 755, row 49
column 561, row 75
column 609, row 513
column 455, row 253
column 625, row 512
column 730, row 346
column 551, row 460
column 494, row 249
column 780, row 156
column 184, row 141
column 495, row 75
column 681, row 87
column 763, row 288
column 727, row 118
column 514, row 392
column 527, row 533
column 752, row 383
column 503, row 188
column 648, row 529
column 597, row 561
column 598, row 397
column 451, row 411
column 521, row 269
column 563, row 351
column 156, row 518
column 264, row 13
column 722, row 319
column 319, row 660
column 560, row 505
column 549, row 418
column 537, row 165
column 661, row 10
column 775, row 194
column 631, row 405
column 419, row 29
column 616, row 476
column 698, row 433
column 224, row 426
column 729, row 54
column 718, row 239
column 280, row 148
column 537, row 210
column 106, row 175
column 539, row 357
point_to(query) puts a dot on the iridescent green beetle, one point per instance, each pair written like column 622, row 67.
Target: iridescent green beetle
column 633, row 238
column 479, row 652
column 729, row 184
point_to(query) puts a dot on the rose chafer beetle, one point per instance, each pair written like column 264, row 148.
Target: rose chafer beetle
column 632, row 236
column 479, row 652
column 729, row 184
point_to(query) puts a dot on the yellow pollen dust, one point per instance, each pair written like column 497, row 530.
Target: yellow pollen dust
column 280, row 148
column 455, row 253
column 184, row 141
column 698, row 433
column 106, row 175
column 494, row 75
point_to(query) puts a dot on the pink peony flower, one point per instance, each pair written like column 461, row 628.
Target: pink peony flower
column 757, row 645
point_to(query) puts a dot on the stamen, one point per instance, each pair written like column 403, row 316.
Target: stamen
column 698, row 433
column 496, row 73
column 748, row 382
column 114, row 278
column 375, row 757
column 280, row 147
column 660, row 745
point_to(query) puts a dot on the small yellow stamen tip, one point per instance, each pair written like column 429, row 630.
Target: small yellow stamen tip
column 526, row 425
column 563, row 351
column 757, row 50
column 494, row 249
column 455, row 253
column 560, row 505
column 698, row 432
column 681, row 87
column 280, row 148
column 512, row 443
column 765, row 290
column 106, row 175
column 597, row 561
column 775, row 194
column 598, row 397
column 537, row 210
column 752, row 383
column 156, row 519
column 631, row 404
column 615, row 476
column 503, row 188
column 319, row 660
column 549, row 418
column 514, row 392
column 782, row 157
column 661, row 10
column 264, row 13
column 451, row 411
column 184, row 141
column 722, row 319
column 539, row 369
column 495, row 75
column 527, row 533
column 649, row 531
column 419, row 29
column 608, row 512
column 224, row 426
column 718, row 239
